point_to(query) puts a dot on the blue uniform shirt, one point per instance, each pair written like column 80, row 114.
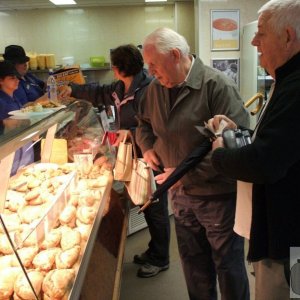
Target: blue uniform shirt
column 7, row 104
column 30, row 88
column 25, row 155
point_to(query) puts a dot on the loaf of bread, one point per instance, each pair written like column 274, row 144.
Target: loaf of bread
column 58, row 283
column 22, row 288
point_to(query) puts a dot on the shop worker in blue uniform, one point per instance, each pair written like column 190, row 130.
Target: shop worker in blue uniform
column 9, row 83
column 30, row 87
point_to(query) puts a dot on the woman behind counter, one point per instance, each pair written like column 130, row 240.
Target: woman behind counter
column 30, row 87
column 9, row 82
column 124, row 96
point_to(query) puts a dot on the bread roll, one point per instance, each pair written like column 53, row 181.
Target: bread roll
column 28, row 214
column 86, row 214
column 66, row 259
column 14, row 200
column 84, row 230
column 7, row 281
column 58, row 283
column 5, row 246
column 11, row 221
column 86, row 198
column 52, row 239
column 45, row 259
column 70, row 238
column 22, row 287
column 26, row 255
column 5, row 261
column 68, row 216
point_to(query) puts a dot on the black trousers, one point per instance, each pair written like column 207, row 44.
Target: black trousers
column 157, row 218
column 209, row 248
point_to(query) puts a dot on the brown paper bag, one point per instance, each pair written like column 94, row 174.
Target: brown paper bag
column 142, row 184
column 123, row 165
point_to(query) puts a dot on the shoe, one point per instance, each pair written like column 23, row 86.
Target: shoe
column 141, row 259
column 148, row 270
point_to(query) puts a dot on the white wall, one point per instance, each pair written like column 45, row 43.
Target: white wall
column 87, row 32
column 248, row 13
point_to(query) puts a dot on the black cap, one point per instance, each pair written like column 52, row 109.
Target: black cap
column 15, row 54
column 7, row 68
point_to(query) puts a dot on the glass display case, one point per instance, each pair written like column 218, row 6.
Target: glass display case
column 52, row 209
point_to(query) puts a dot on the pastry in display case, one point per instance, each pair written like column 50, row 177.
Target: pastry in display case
column 50, row 211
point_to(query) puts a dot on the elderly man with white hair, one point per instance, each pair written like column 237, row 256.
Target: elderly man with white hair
column 269, row 168
column 184, row 94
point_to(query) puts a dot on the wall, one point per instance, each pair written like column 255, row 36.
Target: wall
column 90, row 31
column 248, row 13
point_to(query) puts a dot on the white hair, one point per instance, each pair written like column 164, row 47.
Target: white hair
column 283, row 13
column 164, row 39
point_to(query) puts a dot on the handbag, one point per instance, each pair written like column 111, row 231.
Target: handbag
column 123, row 164
column 142, row 183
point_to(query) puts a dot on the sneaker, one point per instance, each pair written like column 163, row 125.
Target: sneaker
column 148, row 270
column 141, row 259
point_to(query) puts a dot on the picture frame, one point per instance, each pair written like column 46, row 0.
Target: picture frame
column 225, row 30
column 229, row 66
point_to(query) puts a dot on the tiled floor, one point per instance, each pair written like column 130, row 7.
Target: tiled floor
column 166, row 285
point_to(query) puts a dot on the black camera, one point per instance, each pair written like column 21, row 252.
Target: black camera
column 236, row 138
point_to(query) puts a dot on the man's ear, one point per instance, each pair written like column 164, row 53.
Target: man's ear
column 176, row 54
column 290, row 36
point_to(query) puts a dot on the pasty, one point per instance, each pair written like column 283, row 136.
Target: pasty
column 58, row 283
column 66, row 259
column 22, row 288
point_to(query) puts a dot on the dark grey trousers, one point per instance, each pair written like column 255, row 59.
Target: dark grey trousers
column 208, row 247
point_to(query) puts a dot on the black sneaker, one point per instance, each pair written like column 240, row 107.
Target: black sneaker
column 148, row 270
column 141, row 259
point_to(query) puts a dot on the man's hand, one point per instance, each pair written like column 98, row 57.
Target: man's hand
column 161, row 178
column 218, row 143
column 64, row 92
column 216, row 120
column 152, row 160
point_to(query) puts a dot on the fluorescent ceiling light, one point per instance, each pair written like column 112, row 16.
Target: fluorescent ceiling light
column 63, row 2
column 155, row 0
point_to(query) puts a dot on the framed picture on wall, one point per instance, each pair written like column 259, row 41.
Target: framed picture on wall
column 229, row 66
column 225, row 30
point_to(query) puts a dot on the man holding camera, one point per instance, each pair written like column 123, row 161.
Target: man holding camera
column 269, row 168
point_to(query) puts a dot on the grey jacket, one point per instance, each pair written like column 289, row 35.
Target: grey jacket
column 172, row 134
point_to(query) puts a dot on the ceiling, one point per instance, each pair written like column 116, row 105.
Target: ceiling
column 34, row 4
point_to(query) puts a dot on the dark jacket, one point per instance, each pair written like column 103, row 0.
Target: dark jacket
column 171, row 132
column 109, row 94
column 272, row 163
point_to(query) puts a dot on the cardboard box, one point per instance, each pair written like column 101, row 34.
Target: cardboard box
column 69, row 74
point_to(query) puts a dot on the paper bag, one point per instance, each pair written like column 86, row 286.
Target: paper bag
column 123, row 165
column 142, row 184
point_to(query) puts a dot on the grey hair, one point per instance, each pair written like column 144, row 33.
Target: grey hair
column 166, row 39
column 283, row 13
